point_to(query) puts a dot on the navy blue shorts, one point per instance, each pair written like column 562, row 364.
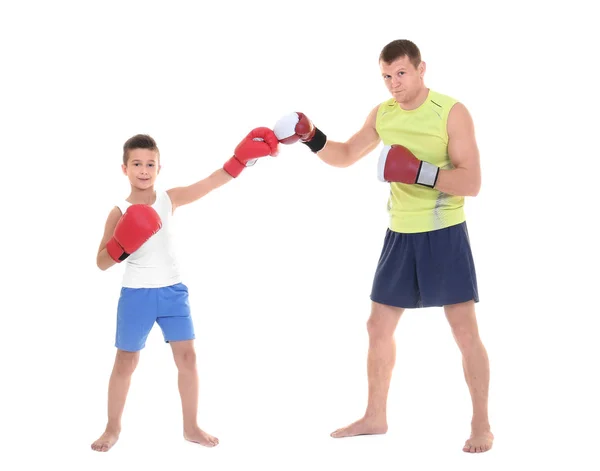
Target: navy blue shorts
column 426, row 269
column 140, row 308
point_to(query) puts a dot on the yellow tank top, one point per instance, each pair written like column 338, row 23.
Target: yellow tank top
column 416, row 208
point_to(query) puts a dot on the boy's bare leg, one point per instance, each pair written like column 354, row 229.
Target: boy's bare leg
column 118, row 387
column 185, row 359
column 477, row 372
column 380, row 363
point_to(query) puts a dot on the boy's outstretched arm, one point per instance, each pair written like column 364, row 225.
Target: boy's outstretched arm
column 260, row 142
column 183, row 195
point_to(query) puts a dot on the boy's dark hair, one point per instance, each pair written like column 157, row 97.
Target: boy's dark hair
column 139, row 141
column 400, row 48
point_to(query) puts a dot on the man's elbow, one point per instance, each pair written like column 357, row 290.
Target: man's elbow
column 475, row 187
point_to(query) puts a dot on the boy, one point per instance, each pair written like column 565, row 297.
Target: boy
column 137, row 231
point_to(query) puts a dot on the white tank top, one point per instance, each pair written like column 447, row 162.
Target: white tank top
column 154, row 264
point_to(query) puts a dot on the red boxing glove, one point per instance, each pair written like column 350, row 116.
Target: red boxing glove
column 398, row 164
column 260, row 142
column 297, row 127
column 136, row 226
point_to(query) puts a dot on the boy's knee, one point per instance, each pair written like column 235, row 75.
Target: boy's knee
column 186, row 359
column 126, row 362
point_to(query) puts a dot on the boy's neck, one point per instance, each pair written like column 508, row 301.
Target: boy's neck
column 146, row 196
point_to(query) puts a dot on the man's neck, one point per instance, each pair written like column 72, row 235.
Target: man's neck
column 417, row 101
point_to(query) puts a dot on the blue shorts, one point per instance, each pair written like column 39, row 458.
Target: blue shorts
column 426, row 269
column 139, row 308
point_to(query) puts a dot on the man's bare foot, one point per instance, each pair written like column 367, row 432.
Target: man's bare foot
column 480, row 441
column 197, row 435
column 364, row 426
column 106, row 440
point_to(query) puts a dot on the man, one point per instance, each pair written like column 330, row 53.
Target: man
column 431, row 159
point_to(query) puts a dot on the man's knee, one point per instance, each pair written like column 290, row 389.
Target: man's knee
column 466, row 337
column 383, row 321
column 464, row 325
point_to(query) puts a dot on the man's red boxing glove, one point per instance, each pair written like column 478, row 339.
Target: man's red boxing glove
column 136, row 226
column 398, row 164
column 297, row 127
column 260, row 142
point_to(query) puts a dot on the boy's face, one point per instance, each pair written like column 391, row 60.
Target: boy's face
column 142, row 168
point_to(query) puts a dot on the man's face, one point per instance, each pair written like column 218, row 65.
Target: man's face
column 402, row 78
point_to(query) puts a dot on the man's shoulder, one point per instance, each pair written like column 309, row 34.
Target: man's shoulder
column 441, row 98
column 390, row 102
column 384, row 107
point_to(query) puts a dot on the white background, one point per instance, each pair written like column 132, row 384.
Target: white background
column 279, row 262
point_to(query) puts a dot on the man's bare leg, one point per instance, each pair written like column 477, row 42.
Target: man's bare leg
column 380, row 363
column 477, row 372
column 118, row 387
column 185, row 359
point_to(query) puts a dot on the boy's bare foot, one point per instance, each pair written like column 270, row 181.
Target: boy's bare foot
column 364, row 426
column 479, row 442
column 106, row 440
column 197, row 435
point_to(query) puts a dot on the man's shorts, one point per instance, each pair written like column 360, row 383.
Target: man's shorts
column 139, row 308
column 426, row 269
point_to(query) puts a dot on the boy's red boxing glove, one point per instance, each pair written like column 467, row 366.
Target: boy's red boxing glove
column 260, row 142
column 136, row 226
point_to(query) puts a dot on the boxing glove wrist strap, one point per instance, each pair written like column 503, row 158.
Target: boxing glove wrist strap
column 115, row 251
column 317, row 142
column 233, row 167
column 428, row 174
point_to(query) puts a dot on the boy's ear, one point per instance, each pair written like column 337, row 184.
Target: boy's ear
column 124, row 168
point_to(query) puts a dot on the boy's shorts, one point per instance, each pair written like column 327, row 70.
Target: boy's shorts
column 139, row 308
column 426, row 269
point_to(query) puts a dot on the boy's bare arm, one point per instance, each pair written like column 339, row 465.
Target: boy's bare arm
column 188, row 194
column 103, row 260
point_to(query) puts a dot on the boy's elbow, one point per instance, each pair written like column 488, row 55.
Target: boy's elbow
column 101, row 264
